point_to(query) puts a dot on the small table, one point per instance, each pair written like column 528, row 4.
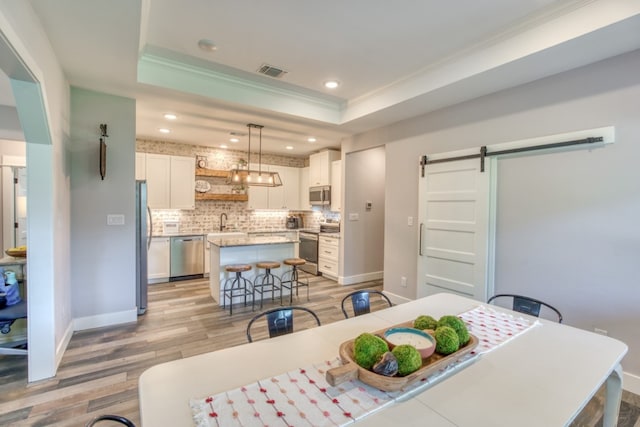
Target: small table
column 543, row 377
column 18, row 335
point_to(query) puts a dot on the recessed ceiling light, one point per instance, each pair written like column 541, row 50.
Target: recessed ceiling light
column 223, row 146
column 289, row 147
column 170, row 116
column 311, row 139
column 207, row 45
column 234, row 140
column 164, row 130
column 331, row 84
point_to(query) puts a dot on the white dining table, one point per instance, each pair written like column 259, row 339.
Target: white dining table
column 543, row 377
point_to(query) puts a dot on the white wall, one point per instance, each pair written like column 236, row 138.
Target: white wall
column 568, row 229
column 43, row 108
column 103, row 268
column 363, row 243
column 10, row 124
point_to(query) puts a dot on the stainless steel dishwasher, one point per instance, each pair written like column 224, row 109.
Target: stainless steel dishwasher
column 187, row 257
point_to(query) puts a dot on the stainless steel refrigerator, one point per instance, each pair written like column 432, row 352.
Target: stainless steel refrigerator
column 143, row 241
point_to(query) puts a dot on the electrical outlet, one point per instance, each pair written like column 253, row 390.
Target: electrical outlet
column 600, row 331
column 403, row 282
column 354, row 217
column 410, row 221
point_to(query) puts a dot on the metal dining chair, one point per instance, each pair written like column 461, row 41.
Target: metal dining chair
column 279, row 320
column 8, row 315
column 527, row 305
column 360, row 301
column 117, row 418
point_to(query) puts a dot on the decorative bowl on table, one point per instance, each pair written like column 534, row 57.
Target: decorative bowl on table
column 422, row 341
column 18, row 253
column 350, row 370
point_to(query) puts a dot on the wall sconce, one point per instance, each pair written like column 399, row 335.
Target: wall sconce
column 103, row 150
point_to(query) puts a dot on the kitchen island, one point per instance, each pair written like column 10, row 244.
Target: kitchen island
column 246, row 250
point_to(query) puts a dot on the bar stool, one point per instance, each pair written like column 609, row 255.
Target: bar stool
column 294, row 277
column 236, row 286
column 266, row 282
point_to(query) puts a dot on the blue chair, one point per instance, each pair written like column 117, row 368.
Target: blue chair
column 280, row 320
column 8, row 315
column 360, row 302
column 527, row 305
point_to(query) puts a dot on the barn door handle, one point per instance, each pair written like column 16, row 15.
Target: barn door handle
column 420, row 244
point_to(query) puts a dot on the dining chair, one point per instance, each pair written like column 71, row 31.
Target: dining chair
column 8, row 315
column 360, row 301
column 117, row 418
column 280, row 320
column 527, row 305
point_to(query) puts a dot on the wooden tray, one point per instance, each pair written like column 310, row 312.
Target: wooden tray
column 17, row 254
column 351, row 370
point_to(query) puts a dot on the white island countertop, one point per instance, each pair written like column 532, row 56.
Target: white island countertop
column 225, row 242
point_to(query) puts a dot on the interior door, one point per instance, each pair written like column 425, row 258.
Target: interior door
column 20, row 206
column 455, row 227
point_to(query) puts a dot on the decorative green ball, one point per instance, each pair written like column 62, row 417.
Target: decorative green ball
column 368, row 349
column 458, row 325
column 408, row 358
column 447, row 341
column 425, row 322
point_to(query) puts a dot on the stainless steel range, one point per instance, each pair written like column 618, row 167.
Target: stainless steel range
column 309, row 245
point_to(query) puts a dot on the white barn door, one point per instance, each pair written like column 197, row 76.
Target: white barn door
column 455, row 227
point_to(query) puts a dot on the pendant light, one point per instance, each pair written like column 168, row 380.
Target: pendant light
column 252, row 176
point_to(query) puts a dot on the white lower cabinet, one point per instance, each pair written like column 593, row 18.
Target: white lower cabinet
column 328, row 256
column 159, row 260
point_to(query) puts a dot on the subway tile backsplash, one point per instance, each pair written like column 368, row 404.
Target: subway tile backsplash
column 206, row 216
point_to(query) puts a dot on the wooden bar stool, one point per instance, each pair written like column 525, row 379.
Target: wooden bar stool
column 291, row 278
column 266, row 282
column 236, row 286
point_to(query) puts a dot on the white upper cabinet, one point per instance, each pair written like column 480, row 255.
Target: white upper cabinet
column 258, row 196
column 158, row 176
column 320, row 167
column 303, row 180
column 286, row 196
column 183, row 182
column 170, row 181
column 336, row 185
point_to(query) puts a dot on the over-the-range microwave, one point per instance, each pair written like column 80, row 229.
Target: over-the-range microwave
column 319, row 196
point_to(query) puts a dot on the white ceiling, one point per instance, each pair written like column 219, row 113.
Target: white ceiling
column 394, row 60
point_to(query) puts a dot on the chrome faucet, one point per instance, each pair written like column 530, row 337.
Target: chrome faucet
column 223, row 225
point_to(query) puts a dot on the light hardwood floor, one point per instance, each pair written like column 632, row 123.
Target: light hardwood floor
column 100, row 369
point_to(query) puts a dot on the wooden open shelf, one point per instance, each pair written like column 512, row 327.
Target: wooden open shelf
column 212, row 173
column 223, row 197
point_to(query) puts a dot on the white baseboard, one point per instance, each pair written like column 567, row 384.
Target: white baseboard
column 64, row 342
column 396, row 299
column 359, row 278
column 631, row 383
column 107, row 319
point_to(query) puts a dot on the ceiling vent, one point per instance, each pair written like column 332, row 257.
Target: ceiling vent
column 271, row 71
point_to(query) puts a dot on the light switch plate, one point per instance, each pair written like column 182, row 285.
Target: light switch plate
column 115, row 219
